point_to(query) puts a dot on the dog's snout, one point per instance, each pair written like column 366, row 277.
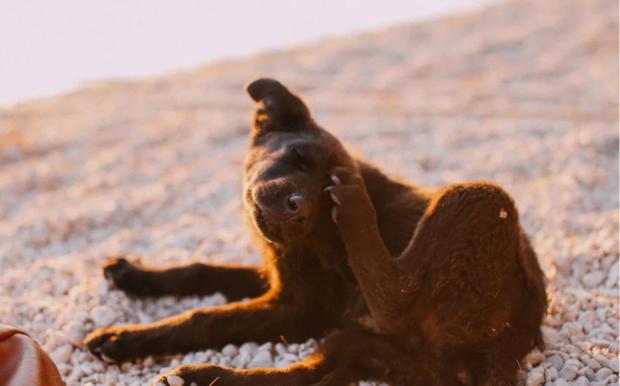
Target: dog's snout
column 279, row 201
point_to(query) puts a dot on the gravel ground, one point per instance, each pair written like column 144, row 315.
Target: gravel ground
column 524, row 93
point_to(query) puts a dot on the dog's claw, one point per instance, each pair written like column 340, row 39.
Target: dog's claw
column 96, row 352
column 334, row 214
column 114, row 265
column 335, row 179
column 106, row 358
column 334, row 198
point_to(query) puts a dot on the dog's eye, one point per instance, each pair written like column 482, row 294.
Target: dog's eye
column 300, row 160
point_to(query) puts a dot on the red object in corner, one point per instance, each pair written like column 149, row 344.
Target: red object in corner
column 23, row 362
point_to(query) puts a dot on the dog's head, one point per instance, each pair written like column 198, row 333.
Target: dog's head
column 288, row 165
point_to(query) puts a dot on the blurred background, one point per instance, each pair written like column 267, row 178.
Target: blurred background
column 124, row 124
column 48, row 47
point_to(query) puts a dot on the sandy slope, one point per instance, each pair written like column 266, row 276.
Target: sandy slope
column 524, row 94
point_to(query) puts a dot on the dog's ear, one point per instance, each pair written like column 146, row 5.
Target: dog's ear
column 278, row 109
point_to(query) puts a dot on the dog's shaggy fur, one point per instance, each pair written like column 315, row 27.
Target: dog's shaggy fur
column 408, row 285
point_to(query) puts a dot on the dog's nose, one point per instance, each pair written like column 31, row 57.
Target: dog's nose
column 295, row 203
column 277, row 205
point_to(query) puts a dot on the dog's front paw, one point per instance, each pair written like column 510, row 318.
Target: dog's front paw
column 171, row 379
column 195, row 375
column 113, row 344
column 127, row 276
column 353, row 210
column 176, row 377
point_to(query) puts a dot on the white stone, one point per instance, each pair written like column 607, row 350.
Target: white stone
column 144, row 318
column 570, row 368
column 103, row 316
column 551, row 335
column 582, row 381
column 536, row 376
column 556, row 361
column 242, row 360
column 612, row 276
column 284, row 353
column 249, row 348
column 230, row 350
column 62, row 354
column 603, row 374
column 293, row 348
column 305, row 353
column 572, row 328
column 282, row 363
column 87, row 368
column 261, row 359
column 280, row 348
column 587, row 317
column 551, row 374
column 587, row 371
column 535, row 357
column 75, row 334
column 593, row 279
column 594, row 364
column 175, row 380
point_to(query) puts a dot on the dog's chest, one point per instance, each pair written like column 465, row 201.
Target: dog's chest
column 357, row 312
column 355, row 309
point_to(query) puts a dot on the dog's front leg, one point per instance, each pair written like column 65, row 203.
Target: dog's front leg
column 374, row 268
column 343, row 357
column 304, row 373
column 263, row 319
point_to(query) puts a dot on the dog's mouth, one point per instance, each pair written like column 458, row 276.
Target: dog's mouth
column 278, row 218
column 277, row 229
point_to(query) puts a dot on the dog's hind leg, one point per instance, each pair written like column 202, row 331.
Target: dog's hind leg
column 467, row 246
column 466, row 278
column 353, row 355
column 234, row 282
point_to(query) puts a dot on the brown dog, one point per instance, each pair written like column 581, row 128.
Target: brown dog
column 410, row 286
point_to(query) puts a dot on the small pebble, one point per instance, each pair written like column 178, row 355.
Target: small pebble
column 75, row 334
column 556, row 361
column 535, row 357
column 570, row 368
column 62, row 354
column 536, row 376
column 261, row 359
column 593, row 279
column 103, row 316
column 175, row 380
column 248, row 348
column 230, row 350
column 603, row 374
